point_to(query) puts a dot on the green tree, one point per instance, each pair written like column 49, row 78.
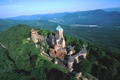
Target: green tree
column 92, row 59
column 111, row 73
column 115, row 63
column 85, row 66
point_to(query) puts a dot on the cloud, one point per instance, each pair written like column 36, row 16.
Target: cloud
column 10, row 6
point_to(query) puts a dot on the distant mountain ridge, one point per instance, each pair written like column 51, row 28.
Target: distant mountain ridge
column 56, row 15
column 112, row 9
column 92, row 17
column 40, row 16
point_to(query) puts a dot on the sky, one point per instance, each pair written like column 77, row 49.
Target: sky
column 11, row 8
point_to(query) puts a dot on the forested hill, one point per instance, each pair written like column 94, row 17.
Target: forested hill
column 93, row 17
column 22, row 60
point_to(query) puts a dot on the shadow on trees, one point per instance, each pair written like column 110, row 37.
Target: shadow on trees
column 55, row 74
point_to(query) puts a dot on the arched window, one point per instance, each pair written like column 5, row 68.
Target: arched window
column 80, row 57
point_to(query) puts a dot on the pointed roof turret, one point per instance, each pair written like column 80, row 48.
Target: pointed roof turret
column 71, row 59
column 59, row 28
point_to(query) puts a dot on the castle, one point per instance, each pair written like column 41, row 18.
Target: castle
column 58, row 49
column 36, row 37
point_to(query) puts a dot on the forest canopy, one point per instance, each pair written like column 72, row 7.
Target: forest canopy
column 22, row 60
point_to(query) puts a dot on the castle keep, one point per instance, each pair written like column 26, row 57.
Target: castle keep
column 65, row 55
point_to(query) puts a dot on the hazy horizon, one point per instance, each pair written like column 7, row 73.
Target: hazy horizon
column 12, row 8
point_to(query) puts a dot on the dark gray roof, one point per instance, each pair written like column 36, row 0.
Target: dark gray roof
column 71, row 59
column 83, row 51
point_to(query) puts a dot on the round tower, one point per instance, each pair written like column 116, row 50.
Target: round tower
column 59, row 32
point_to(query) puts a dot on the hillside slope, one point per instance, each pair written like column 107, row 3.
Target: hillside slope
column 22, row 61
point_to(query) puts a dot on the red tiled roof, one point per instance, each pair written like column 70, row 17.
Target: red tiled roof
column 58, row 54
column 52, row 52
